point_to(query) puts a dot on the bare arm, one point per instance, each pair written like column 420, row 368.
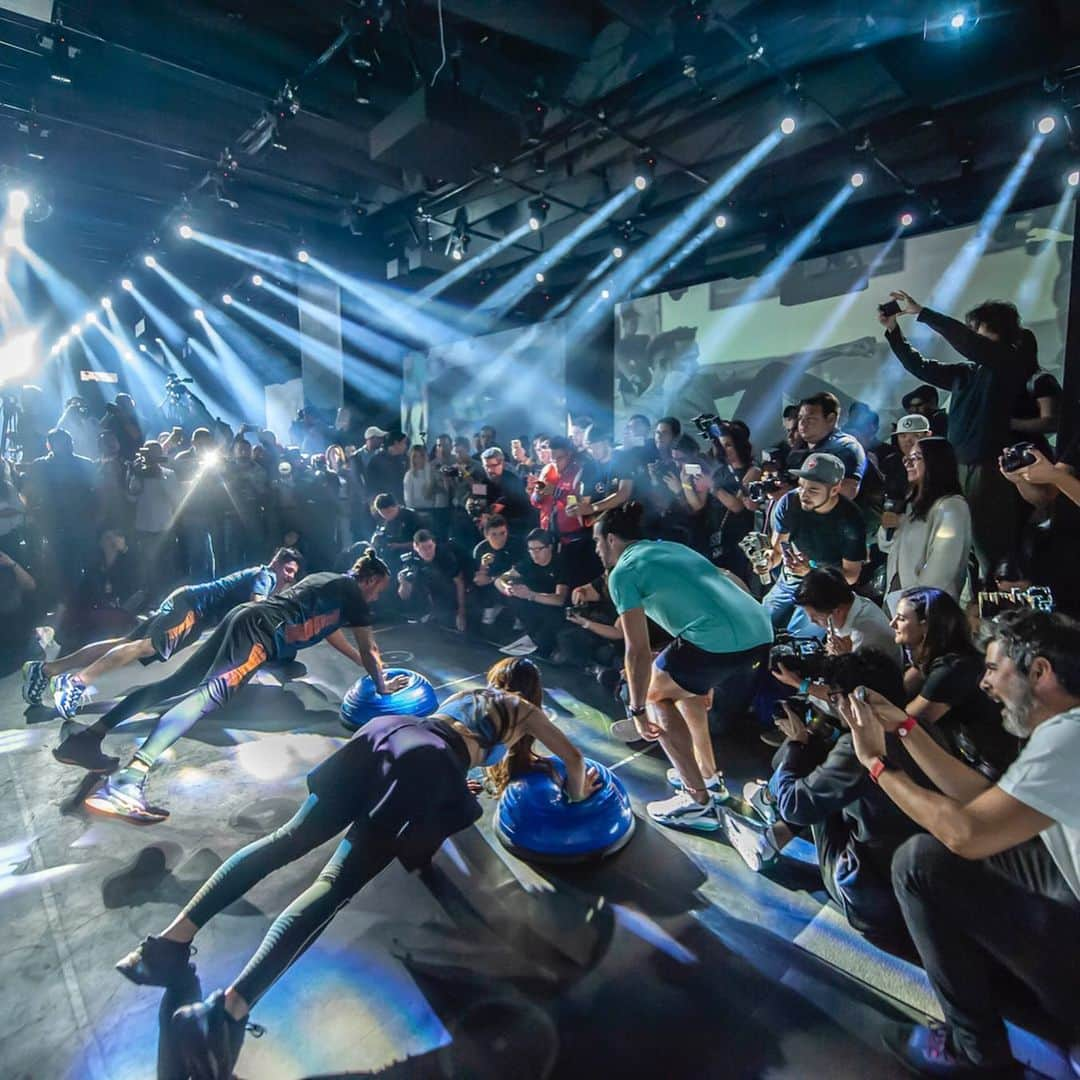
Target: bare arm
column 1043, row 424
column 366, row 653
column 849, row 487
column 537, row 724
column 555, row 599
column 638, row 662
column 616, row 498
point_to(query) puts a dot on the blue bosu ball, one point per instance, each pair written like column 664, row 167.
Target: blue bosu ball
column 536, row 821
column 362, row 703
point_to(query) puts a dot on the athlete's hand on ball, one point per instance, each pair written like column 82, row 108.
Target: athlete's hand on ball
column 398, row 682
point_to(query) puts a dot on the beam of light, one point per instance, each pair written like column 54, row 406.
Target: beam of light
column 394, row 314
column 227, row 396
column 588, row 312
column 149, row 377
column 452, row 277
column 70, row 301
column 1044, row 267
column 598, row 271
column 190, row 297
column 508, row 294
column 649, row 283
column 734, row 318
column 367, row 342
column 239, row 377
column 276, row 265
column 958, row 273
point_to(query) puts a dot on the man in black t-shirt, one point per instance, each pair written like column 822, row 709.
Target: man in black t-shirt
column 397, row 525
column 431, row 582
column 318, row 608
column 813, row 526
column 537, row 589
column 492, row 558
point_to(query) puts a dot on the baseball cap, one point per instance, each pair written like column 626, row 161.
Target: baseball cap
column 920, row 393
column 913, row 425
column 373, row 431
column 823, row 468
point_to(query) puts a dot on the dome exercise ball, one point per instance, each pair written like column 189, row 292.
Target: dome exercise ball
column 362, row 703
column 535, row 821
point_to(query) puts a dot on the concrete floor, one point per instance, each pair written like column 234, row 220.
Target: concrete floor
column 670, row 958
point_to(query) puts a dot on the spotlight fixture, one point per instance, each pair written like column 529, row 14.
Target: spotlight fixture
column 64, row 339
column 720, row 221
column 457, row 240
column 186, row 231
column 76, row 330
column 199, row 314
column 54, row 350
column 1046, row 125
column 617, row 252
column 1073, row 179
column 128, row 355
column 18, row 201
column 127, row 284
column 907, row 220
column 857, row 179
column 644, row 170
column 787, row 125
column 641, row 182
column 539, row 277
column 143, row 348
column 106, row 303
column 150, row 261
column 226, row 299
column 90, row 320
column 605, row 294
column 538, row 212
column 302, row 256
column 257, row 280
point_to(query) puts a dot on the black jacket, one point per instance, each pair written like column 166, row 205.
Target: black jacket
column 984, row 389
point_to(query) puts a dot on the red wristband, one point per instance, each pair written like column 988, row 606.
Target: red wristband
column 877, row 767
column 905, row 728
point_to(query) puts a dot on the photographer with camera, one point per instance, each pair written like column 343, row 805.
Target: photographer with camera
column 555, row 494
column 81, row 426
column 1048, row 542
column 812, row 526
column 121, row 420
column 1000, row 355
column 155, row 491
column 394, row 533
column 199, row 469
column 492, row 558
column 930, row 543
column 431, row 582
column 995, row 885
column 248, row 491
column 537, row 589
column 505, row 492
column 851, row 622
column 819, row 784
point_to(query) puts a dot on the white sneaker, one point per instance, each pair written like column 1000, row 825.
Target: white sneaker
column 714, row 785
column 681, row 811
column 751, row 839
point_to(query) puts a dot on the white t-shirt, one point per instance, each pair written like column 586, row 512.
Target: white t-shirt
column 1044, row 777
column 868, row 627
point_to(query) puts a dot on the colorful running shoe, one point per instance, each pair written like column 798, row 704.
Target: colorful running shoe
column 757, row 794
column 34, row 681
column 125, row 798
column 751, row 838
column 927, row 1050
column 683, row 812
column 69, row 694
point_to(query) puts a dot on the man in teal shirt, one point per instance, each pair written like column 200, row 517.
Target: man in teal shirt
column 722, row 638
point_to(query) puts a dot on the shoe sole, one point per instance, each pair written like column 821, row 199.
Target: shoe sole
column 701, row 824
column 744, row 839
column 106, row 808
column 131, row 974
column 28, row 697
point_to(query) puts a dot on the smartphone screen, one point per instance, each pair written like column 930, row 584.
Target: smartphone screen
column 693, row 470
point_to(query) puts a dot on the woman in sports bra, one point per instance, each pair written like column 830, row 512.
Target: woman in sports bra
column 399, row 789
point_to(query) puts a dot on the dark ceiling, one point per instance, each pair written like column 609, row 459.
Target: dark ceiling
column 266, row 123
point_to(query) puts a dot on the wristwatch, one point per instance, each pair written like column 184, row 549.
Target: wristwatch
column 634, row 713
column 878, row 766
column 905, row 728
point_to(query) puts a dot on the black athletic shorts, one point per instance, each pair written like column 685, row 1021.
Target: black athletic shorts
column 733, row 675
column 171, row 628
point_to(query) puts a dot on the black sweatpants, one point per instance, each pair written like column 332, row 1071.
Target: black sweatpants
column 967, row 917
column 363, row 852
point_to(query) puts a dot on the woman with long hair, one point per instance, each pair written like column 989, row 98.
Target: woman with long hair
column 929, row 543
column 943, row 679
column 337, row 465
column 397, row 790
column 425, row 491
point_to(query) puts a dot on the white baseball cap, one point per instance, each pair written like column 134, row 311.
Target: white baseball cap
column 913, row 424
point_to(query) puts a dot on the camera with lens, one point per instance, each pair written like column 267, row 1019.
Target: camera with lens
column 450, row 470
column 411, row 566
column 760, row 491
column 805, row 657
column 79, row 405
column 1017, row 456
column 710, row 425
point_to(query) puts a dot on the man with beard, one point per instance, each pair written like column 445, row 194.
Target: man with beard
column 995, row 882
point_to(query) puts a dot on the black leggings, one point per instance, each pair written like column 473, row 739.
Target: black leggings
column 362, row 853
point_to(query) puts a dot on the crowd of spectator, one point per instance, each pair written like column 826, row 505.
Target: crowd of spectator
column 868, row 554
